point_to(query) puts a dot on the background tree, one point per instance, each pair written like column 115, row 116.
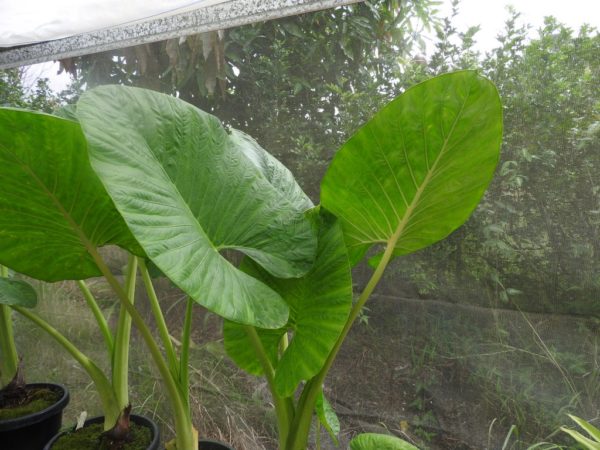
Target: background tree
column 284, row 82
column 15, row 92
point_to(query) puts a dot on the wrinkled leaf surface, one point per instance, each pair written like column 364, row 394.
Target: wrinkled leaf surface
column 189, row 189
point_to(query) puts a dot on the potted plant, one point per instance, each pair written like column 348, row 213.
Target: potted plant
column 381, row 191
column 407, row 179
column 188, row 188
column 53, row 179
column 30, row 414
column 53, row 211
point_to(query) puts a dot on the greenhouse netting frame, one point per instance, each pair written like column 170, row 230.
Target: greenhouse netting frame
column 229, row 14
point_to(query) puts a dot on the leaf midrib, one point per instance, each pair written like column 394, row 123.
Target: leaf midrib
column 392, row 241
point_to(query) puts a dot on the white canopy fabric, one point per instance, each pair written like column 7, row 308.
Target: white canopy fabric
column 34, row 31
column 25, row 22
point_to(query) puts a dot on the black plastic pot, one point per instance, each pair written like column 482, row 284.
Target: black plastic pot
column 31, row 432
column 139, row 420
column 207, row 444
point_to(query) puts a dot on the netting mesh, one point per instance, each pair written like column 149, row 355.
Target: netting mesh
column 488, row 338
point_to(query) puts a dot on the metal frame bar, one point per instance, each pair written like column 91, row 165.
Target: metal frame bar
column 229, row 14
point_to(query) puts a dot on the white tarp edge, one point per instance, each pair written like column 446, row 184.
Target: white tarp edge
column 25, row 22
column 192, row 17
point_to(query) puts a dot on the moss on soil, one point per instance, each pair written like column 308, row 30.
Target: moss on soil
column 89, row 438
column 37, row 400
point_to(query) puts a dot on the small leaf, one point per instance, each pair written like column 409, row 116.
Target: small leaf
column 374, row 441
column 17, row 293
column 588, row 427
column 293, row 29
column 328, row 417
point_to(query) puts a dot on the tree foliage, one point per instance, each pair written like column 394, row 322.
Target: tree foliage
column 15, row 91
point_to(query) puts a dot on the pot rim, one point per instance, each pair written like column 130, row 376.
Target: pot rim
column 38, row 416
column 138, row 419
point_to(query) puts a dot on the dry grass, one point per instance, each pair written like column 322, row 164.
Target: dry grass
column 226, row 404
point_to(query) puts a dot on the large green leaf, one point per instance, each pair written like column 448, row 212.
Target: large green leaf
column 374, row 441
column 53, row 208
column 319, row 306
column 17, row 293
column 416, row 170
column 188, row 189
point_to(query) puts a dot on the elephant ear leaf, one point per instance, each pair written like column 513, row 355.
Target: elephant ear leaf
column 418, row 168
column 374, row 441
column 189, row 189
column 17, row 293
column 319, row 305
column 53, row 209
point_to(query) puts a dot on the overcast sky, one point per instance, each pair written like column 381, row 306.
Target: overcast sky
column 489, row 14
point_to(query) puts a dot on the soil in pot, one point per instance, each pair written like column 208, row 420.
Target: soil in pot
column 144, row 435
column 207, row 444
column 29, row 401
column 31, row 415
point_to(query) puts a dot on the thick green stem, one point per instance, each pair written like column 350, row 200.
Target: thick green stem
column 184, row 371
column 182, row 417
column 9, row 359
column 318, row 436
column 284, row 407
column 97, row 312
column 159, row 318
column 298, row 438
column 101, row 383
column 120, row 356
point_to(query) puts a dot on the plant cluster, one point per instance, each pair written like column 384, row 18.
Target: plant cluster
column 169, row 184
